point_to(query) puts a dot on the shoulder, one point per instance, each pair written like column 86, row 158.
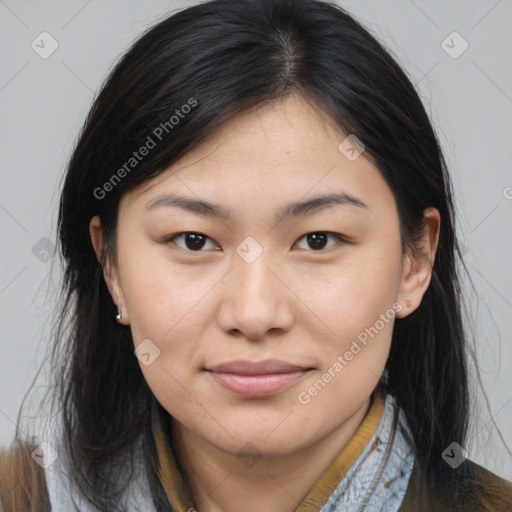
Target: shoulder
column 22, row 480
column 468, row 487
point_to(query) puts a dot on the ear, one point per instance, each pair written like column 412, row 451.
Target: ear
column 418, row 264
column 110, row 272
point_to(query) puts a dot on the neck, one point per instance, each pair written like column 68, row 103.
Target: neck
column 219, row 482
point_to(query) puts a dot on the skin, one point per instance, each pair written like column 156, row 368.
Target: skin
column 295, row 302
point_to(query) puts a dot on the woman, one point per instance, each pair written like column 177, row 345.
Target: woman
column 261, row 303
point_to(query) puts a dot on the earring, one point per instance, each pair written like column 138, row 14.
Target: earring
column 119, row 314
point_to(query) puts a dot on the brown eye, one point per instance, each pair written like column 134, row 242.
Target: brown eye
column 317, row 240
column 193, row 241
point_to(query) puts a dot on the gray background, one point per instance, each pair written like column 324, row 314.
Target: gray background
column 43, row 103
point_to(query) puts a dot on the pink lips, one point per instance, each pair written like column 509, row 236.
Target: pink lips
column 257, row 380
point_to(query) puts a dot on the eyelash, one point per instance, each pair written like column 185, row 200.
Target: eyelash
column 329, row 233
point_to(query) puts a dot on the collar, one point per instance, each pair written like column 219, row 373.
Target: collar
column 178, row 492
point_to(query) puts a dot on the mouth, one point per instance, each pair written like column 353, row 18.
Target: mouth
column 257, row 379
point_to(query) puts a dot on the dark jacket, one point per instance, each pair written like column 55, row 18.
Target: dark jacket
column 470, row 488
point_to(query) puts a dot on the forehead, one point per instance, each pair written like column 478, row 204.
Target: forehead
column 278, row 132
column 289, row 148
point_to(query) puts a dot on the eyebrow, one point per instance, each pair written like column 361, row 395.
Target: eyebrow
column 206, row 209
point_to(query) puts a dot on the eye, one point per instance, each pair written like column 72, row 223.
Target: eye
column 318, row 239
column 193, row 241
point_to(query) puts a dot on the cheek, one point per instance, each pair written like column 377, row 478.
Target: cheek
column 159, row 295
column 166, row 306
column 360, row 315
column 351, row 296
column 356, row 302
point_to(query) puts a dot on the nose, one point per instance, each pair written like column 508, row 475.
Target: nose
column 257, row 302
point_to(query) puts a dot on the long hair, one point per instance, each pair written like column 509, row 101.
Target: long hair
column 222, row 58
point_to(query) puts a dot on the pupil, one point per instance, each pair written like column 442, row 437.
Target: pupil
column 197, row 241
column 317, row 240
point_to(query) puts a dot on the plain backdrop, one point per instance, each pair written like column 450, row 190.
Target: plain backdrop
column 464, row 79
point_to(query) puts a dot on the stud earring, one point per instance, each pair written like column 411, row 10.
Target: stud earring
column 119, row 315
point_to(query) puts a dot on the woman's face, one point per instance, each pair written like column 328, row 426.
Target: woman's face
column 311, row 292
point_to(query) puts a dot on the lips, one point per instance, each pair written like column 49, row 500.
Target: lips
column 260, row 368
column 257, row 379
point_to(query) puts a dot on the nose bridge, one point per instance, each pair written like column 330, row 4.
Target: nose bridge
column 254, row 281
column 257, row 300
